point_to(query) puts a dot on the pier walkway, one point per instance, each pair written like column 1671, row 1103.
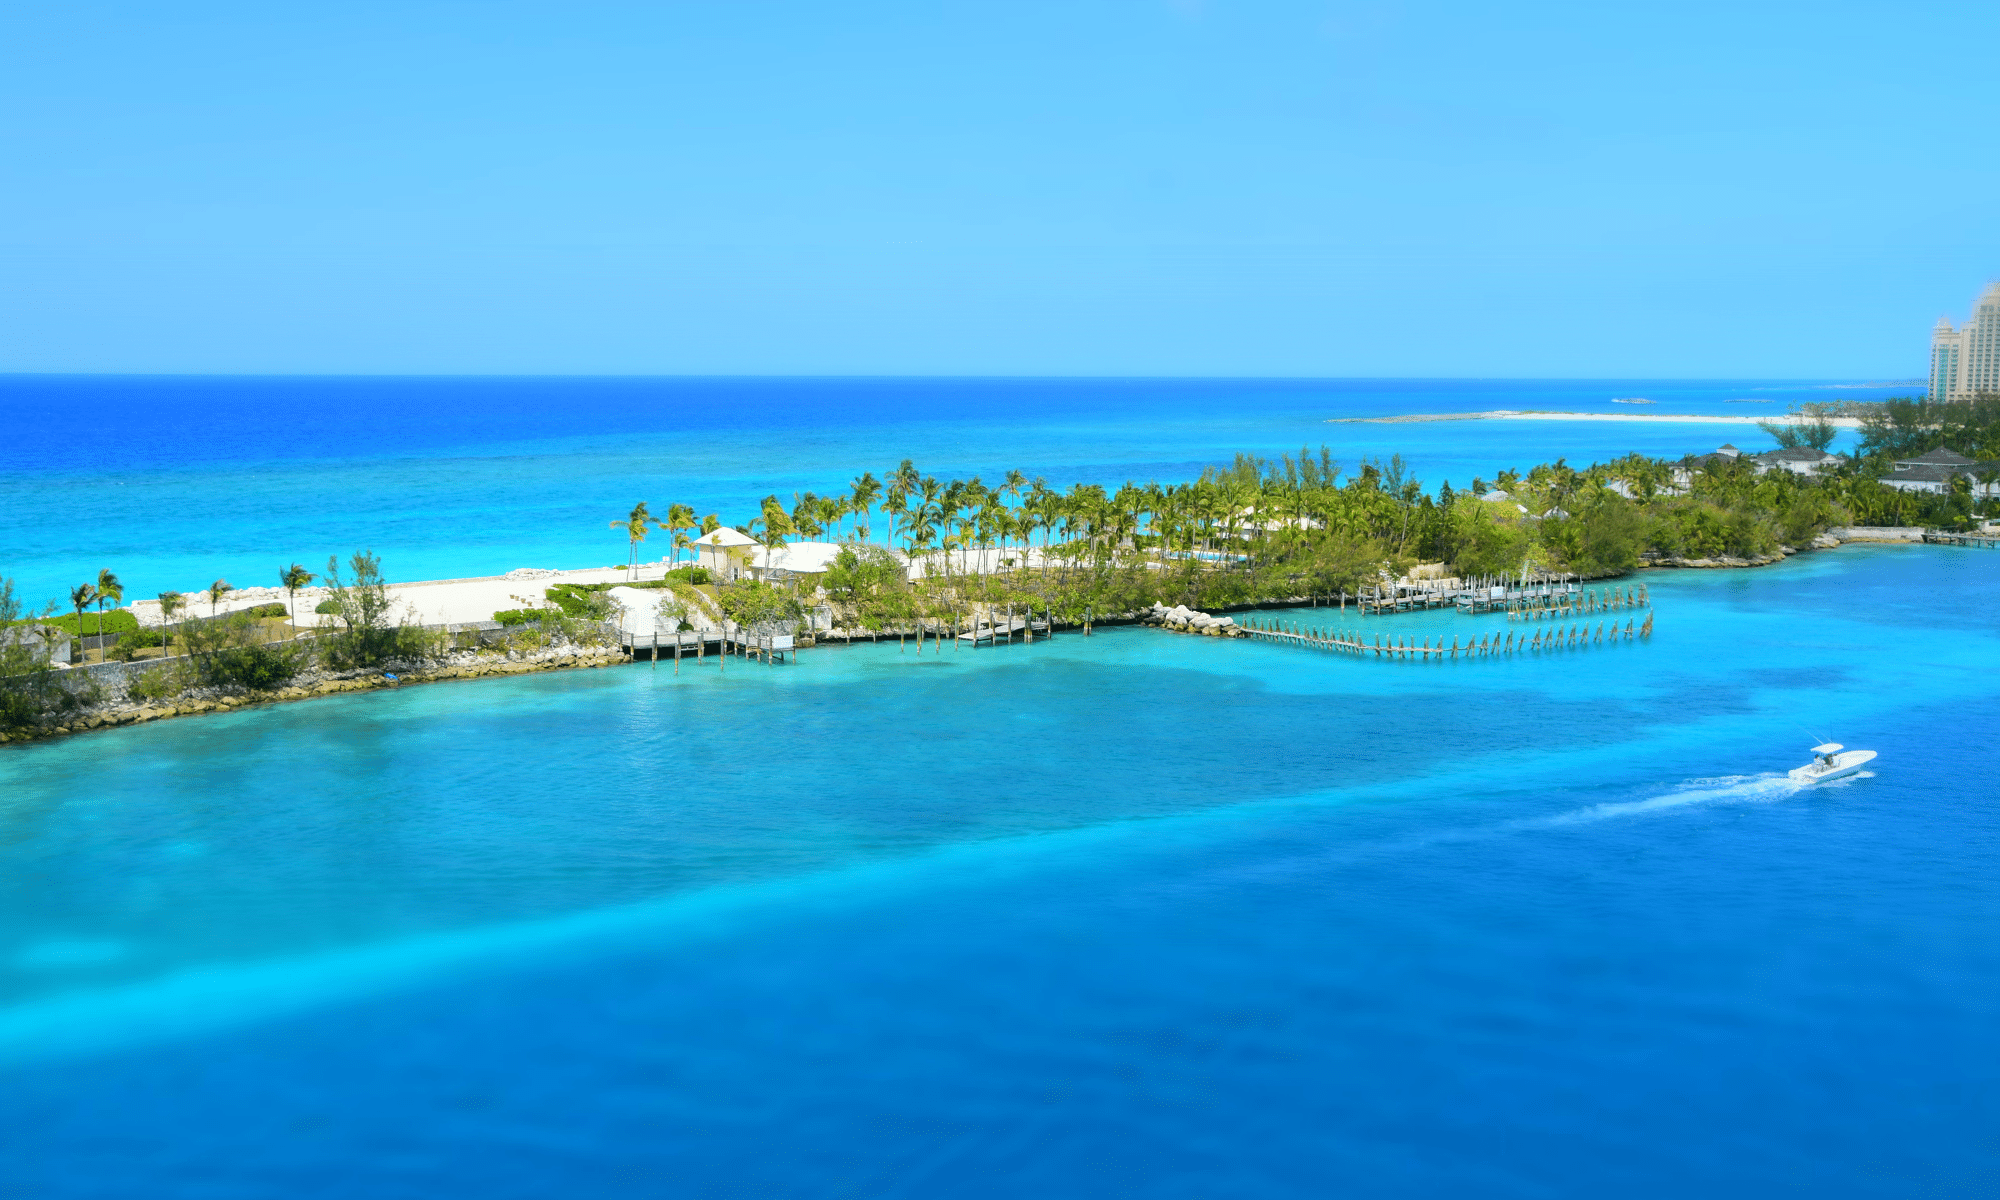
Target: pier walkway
column 1576, row 636
column 1005, row 631
column 700, row 643
column 1984, row 540
column 1530, row 599
column 1478, row 594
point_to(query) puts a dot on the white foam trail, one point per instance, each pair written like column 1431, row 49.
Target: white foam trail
column 1726, row 789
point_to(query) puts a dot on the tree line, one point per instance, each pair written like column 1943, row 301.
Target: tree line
column 1303, row 526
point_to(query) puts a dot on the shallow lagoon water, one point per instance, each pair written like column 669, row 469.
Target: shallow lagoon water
column 1138, row 913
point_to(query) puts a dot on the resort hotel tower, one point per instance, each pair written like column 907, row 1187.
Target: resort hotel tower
column 1966, row 361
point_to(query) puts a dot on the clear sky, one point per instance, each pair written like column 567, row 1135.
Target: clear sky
column 1021, row 188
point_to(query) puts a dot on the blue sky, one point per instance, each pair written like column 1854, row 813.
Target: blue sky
column 1081, row 188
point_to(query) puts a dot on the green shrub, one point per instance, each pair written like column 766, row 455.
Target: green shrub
column 267, row 610
column 256, row 668
column 518, row 616
column 584, row 602
column 116, row 621
column 138, row 639
column 327, row 608
column 157, row 684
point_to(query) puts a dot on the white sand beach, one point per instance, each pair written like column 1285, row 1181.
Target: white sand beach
column 430, row 601
column 448, row 601
column 1508, row 414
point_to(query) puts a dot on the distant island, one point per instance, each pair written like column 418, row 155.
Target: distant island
column 1531, row 414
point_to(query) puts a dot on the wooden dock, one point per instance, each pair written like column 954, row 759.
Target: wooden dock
column 1576, row 636
column 1005, row 631
column 699, row 644
column 1986, row 541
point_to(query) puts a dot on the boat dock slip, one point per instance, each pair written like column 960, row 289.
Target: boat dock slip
column 1575, row 636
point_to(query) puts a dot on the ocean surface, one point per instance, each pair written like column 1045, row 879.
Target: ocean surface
column 1136, row 914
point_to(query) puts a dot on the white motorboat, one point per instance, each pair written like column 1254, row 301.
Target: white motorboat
column 1831, row 761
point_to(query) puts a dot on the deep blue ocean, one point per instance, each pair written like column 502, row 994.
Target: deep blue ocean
column 1131, row 915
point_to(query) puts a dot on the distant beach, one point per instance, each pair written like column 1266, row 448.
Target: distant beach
column 1508, row 414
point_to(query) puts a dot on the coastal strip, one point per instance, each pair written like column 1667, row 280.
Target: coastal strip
column 1510, row 414
column 459, row 666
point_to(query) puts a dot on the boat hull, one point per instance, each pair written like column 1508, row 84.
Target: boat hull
column 1844, row 764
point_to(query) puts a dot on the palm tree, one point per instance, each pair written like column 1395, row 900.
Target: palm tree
column 82, row 596
column 170, row 604
column 772, row 538
column 896, row 504
column 964, row 523
column 832, row 511
column 634, row 526
column 933, row 496
column 293, row 578
column 108, row 588
column 919, row 529
column 679, row 517
column 989, row 522
column 863, row 494
column 1012, row 484
column 216, row 591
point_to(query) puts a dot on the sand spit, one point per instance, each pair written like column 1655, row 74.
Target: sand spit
column 1509, row 414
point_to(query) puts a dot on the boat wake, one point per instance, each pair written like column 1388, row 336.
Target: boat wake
column 1724, row 789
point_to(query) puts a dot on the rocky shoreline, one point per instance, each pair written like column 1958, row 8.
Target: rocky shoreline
column 463, row 665
column 1724, row 560
column 1831, row 540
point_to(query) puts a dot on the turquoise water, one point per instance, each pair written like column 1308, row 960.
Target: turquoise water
column 176, row 482
column 1134, row 914
column 1138, row 913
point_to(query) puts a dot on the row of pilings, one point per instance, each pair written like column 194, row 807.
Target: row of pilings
column 1576, row 636
column 1589, row 602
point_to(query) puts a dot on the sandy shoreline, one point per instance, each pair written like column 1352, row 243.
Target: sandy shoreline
column 423, row 601
column 1509, row 414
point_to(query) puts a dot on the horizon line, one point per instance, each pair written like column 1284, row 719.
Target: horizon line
column 870, row 377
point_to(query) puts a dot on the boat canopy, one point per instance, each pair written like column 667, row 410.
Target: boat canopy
column 1829, row 748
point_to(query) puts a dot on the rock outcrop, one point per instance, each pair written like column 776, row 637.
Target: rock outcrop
column 1182, row 619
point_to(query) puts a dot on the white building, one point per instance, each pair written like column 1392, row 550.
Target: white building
column 1932, row 472
column 730, row 554
column 1966, row 360
column 796, row 558
column 1800, row 460
column 726, row 553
